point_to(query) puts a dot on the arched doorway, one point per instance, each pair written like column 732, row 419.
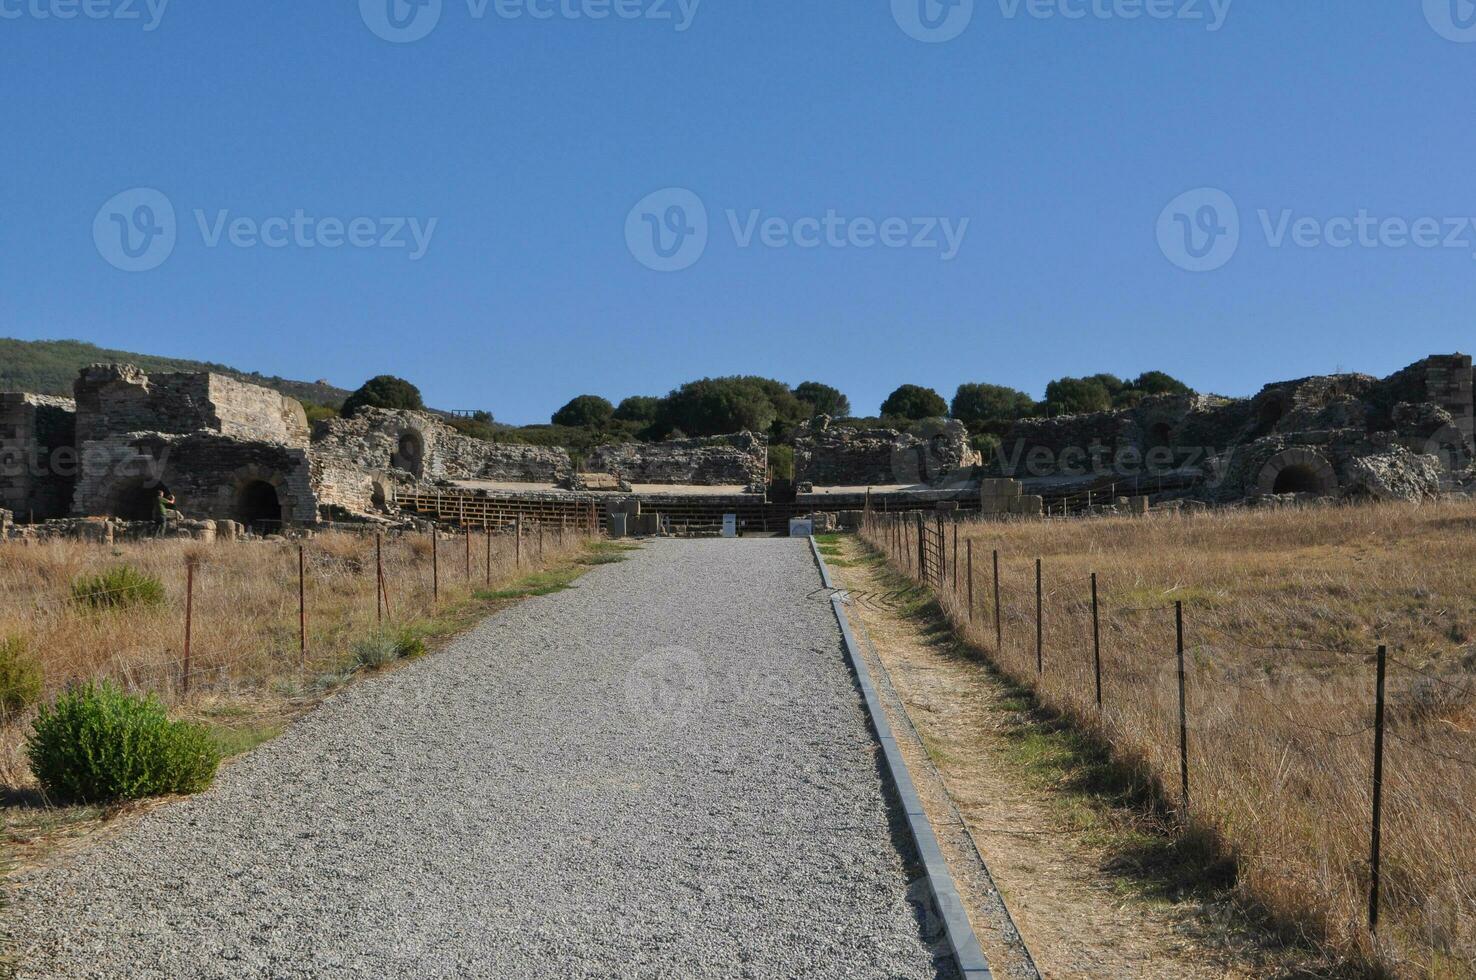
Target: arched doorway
column 1160, row 435
column 410, row 454
column 136, row 500
column 258, row 507
column 1297, row 479
column 1298, row 471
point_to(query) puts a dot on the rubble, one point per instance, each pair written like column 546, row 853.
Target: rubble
column 741, row 459
column 928, row 453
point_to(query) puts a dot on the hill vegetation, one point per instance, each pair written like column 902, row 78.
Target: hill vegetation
column 48, row 367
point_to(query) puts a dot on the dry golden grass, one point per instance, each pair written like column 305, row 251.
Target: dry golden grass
column 245, row 648
column 1284, row 612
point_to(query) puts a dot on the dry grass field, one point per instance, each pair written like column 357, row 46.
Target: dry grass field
column 1283, row 615
column 246, row 669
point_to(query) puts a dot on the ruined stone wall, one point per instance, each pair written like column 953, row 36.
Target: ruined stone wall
column 212, row 476
column 740, row 460
column 119, row 398
column 930, row 451
column 358, row 461
column 37, row 459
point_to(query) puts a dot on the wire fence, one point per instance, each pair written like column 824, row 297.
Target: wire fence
column 228, row 615
column 1349, row 744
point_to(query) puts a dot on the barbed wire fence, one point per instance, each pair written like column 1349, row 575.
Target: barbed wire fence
column 1150, row 673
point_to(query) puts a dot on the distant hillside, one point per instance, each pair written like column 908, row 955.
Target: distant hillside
column 49, row 367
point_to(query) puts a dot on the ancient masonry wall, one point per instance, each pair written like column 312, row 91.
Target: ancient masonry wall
column 119, row 398
column 358, row 462
column 834, row 456
column 37, row 460
column 741, row 460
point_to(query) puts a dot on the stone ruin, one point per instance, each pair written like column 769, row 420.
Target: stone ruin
column 930, row 453
column 739, row 460
column 1406, row 437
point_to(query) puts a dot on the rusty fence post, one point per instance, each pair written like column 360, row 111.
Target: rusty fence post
column 518, row 541
column 1096, row 641
column 998, row 619
column 970, row 570
column 468, row 554
column 379, row 596
column 1039, row 621
column 488, row 533
column 1183, row 706
column 189, row 622
column 1376, row 839
column 302, row 622
column 435, row 565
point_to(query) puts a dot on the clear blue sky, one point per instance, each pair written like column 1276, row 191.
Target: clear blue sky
column 1062, row 141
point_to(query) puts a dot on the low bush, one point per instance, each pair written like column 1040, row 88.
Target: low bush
column 20, row 676
column 120, row 587
column 97, row 744
column 409, row 643
column 379, row 650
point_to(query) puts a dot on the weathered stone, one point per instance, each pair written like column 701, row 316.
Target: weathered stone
column 739, row 460
column 1395, row 475
column 929, row 452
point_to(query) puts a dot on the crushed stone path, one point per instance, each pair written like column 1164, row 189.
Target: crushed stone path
column 664, row 771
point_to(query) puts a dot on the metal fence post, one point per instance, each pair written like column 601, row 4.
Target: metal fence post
column 435, row 565
column 302, row 627
column 189, row 621
column 1378, row 794
column 488, row 533
column 1096, row 641
column 998, row 619
column 970, row 570
column 1039, row 621
column 379, row 579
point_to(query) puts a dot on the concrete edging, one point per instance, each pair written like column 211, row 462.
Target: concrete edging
column 967, row 952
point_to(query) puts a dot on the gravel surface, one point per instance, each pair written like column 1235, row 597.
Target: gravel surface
column 663, row 771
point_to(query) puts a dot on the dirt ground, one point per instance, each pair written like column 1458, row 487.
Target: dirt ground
column 1081, row 909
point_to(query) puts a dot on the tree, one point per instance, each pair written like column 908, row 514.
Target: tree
column 717, row 406
column 990, row 408
column 1077, row 396
column 638, row 408
column 914, row 402
column 385, row 391
column 585, row 412
column 823, row 399
column 1159, row 383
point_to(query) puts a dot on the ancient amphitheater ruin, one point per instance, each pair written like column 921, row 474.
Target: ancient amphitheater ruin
column 240, row 458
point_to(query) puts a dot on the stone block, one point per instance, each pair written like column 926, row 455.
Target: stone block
column 947, row 506
column 1138, row 505
column 993, row 487
column 619, row 522
column 1028, row 506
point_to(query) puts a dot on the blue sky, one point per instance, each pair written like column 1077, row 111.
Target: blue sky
column 1061, row 140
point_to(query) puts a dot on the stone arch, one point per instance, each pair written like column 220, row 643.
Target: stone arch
column 1298, row 471
column 259, row 497
column 135, row 498
column 409, row 454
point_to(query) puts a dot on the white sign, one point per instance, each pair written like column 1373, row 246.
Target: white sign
column 801, row 527
column 730, row 525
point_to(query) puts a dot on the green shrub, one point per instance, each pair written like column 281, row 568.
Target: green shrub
column 20, row 676
column 97, row 744
column 120, row 587
column 409, row 643
column 376, row 651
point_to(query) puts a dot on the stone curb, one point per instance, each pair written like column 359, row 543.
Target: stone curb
column 967, row 952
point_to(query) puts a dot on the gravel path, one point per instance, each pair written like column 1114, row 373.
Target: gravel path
column 664, row 771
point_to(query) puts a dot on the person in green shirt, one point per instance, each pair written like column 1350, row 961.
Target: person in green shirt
column 164, row 508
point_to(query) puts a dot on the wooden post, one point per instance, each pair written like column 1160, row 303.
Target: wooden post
column 302, row 622
column 998, row 619
column 435, row 565
column 1096, row 641
column 468, row 553
column 189, row 621
column 1039, row 622
column 922, row 555
column 1378, row 793
column 1183, row 706
column 955, row 557
column 518, row 541
column 488, row 533
column 970, row 570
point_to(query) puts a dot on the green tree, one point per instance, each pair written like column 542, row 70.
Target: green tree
column 1159, row 383
column 717, row 406
column 990, row 408
column 914, row 402
column 385, row 391
column 1077, row 396
column 823, row 399
column 638, row 408
column 586, row 411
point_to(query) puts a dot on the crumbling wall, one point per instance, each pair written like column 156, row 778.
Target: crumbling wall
column 38, row 461
column 741, row 459
column 929, row 452
column 358, row 461
column 118, row 398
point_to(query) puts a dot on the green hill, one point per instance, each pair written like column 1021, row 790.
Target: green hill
column 48, row 367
